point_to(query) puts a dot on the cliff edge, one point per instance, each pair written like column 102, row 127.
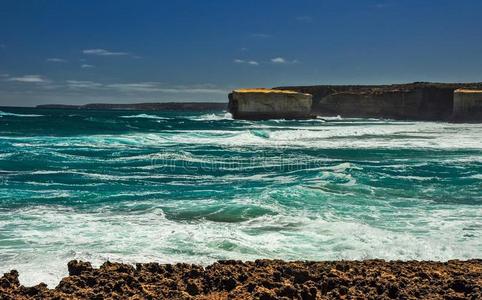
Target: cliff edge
column 261, row 104
column 422, row 101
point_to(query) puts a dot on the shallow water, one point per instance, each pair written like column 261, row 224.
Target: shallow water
column 138, row 186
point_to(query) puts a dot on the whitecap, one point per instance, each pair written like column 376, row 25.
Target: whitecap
column 330, row 118
column 2, row 113
column 213, row 117
column 144, row 116
column 260, row 133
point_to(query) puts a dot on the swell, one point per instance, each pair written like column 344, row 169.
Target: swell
column 197, row 187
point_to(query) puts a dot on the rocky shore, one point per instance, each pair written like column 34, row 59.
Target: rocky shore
column 261, row 279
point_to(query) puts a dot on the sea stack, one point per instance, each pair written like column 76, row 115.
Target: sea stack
column 263, row 104
column 467, row 105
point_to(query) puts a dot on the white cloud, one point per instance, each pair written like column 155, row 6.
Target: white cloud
column 383, row 4
column 29, row 79
column 158, row 87
column 278, row 60
column 281, row 60
column 56, row 60
column 249, row 62
column 103, row 52
column 78, row 84
column 86, row 66
column 194, row 88
column 260, row 35
column 135, row 87
column 4, row 75
column 144, row 87
column 306, row 19
column 150, row 89
column 193, row 91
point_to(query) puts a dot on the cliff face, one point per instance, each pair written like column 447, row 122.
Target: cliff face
column 259, row 104
column 416, row 101
column 467, row 105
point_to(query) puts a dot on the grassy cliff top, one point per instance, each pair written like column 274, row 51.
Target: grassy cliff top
column 468, row 91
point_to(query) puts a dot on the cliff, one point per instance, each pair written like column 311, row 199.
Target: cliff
column 260, row 104
column 467, row 105
column 196, row 106
column 414, row 101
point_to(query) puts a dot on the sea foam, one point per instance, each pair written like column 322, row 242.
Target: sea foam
column 8, row 114
column 197, row 187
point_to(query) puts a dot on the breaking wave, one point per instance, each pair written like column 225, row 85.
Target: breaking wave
column 213, row 117
column 2, row 113
column 144, row 116
column 198, row 187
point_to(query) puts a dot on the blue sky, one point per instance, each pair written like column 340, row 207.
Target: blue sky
column 130, row 51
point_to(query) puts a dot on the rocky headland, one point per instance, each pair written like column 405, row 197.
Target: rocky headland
column 423, row 101
column 261, row 279
column 261, row 104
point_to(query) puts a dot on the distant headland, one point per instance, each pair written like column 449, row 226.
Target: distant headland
column 196, row 106
column 422, row 101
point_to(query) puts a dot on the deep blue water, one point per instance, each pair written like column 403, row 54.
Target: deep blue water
column 138, row 186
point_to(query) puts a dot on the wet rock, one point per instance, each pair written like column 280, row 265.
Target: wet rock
column 262, row 279
column 9, row 280
column 77, row 267
column 192, row 288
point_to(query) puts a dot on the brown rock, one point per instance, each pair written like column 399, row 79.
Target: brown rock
column 262, row 279
column 77, row 267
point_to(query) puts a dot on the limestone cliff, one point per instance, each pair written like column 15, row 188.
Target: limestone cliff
column 467, row 105
column 414, row 101
column 259, row 104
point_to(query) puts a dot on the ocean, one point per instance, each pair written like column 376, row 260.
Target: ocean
column 142, row 186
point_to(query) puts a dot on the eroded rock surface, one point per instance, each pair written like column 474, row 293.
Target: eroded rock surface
column 423, row 101
column 261, row 279
column 467, row 105
column 261, row 104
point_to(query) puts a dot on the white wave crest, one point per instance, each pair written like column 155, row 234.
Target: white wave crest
column 2, row 113
column 144, row 116
column 213, row 117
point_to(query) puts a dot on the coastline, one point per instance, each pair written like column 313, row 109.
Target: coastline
column 260, row 279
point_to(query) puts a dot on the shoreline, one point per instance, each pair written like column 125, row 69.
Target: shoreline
column 260, row 279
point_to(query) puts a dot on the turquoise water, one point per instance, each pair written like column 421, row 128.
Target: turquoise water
column 138, row 186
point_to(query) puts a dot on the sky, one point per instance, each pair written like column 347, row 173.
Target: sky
column 115, row 51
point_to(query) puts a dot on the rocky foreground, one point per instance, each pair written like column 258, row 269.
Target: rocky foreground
column 261, row 279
